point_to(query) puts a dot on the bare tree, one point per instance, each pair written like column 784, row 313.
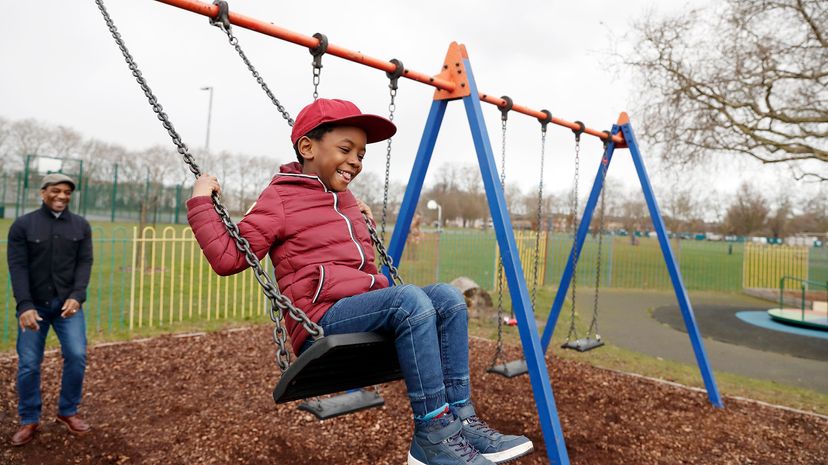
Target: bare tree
column 634, row 214
column 473, row 196
column 747, row 77
column 368, row 188
column 65, row 142
column 748, row 212
column 29, row 137
column 814, row 216
column 778, row 222
column 682, row 209
column 6, row 153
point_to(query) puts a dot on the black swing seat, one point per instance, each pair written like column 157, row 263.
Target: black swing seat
column 510, row 369
column 342, row 404
column 337, row 363
column 583, row 344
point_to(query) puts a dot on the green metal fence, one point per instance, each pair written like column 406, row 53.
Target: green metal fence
column 705, row 265
column 103, row 198
column 139, row 282
column 818, row 264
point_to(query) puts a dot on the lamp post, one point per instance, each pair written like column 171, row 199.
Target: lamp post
column 433, row 205
column 209, row 114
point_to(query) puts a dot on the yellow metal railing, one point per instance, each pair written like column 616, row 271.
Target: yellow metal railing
column 764, row 265
column 172, row 282
column 526, row 241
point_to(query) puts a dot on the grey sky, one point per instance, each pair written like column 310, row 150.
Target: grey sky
column 61, row 66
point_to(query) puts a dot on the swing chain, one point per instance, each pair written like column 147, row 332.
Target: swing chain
column 393, row 77
column 593, row 326
column 387, row 260
column 544, row 123
column 279, row 303
column 575, row 251
column 504, row 117
column 222, row 21
column 317, row 53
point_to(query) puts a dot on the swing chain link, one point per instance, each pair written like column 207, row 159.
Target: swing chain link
column 279, row 303
column 575, row 251
column 222, row 22
column 317, row 53
column 544, row 123
column 504, row 117
column 593, row 326
column 387, row 260
column 393, row 78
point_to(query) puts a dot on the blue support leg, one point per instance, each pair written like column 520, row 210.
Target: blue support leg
column 415, row 181
column 538, row 373
column 580, row 237
column 672, row 268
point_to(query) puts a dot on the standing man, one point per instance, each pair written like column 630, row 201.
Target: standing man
column 50, row 260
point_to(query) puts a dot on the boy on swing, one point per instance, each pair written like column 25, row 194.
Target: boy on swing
column 313, row 228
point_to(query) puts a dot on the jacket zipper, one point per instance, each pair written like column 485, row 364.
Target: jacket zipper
column 336, row 209
column 350, row 231
column 319, row 288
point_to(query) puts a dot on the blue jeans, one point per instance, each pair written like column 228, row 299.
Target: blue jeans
column 71, row 333
column 430, row 330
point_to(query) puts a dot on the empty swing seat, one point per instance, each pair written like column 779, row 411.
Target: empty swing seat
column 337, row 363
column 583, row 344
column 510, row 369
column 342, row 404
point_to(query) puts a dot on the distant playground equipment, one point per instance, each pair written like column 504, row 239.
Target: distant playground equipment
column 812, row 299
column 342, row 362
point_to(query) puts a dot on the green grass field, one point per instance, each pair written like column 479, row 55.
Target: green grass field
column 704, row 265
column 181, row 287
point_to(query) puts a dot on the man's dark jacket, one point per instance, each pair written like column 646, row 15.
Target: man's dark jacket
column 49, row 257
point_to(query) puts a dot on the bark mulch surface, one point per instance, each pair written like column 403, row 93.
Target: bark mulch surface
column 207, row 400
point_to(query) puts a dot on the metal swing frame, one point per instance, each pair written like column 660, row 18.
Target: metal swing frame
column 456, row 82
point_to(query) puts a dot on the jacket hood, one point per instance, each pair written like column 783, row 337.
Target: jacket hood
column 291, row 173
column 291, row 168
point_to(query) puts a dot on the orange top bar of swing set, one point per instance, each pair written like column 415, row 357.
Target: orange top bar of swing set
column 209, row 10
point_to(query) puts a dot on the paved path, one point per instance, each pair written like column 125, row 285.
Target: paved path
column 626, row 321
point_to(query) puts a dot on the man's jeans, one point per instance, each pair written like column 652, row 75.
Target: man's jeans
column 71, row 333
column 430, row 329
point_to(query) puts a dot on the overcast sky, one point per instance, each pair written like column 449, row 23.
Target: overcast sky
column 62, row 67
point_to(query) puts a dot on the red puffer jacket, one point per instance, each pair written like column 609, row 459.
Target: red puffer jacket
column 317, row 240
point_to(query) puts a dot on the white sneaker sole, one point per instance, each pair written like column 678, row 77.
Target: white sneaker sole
column 413, row 461
column 509, row 454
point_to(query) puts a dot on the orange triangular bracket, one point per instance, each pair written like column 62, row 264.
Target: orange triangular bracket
column 623, row 119
column 454, row 70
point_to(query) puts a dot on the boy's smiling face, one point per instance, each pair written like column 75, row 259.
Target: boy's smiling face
column 336, row 158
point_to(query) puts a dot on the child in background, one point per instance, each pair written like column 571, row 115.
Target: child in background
column 313, row 228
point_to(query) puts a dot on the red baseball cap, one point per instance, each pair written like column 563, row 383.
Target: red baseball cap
column 342, row 113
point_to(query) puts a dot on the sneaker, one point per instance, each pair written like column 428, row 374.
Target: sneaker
column 498, row 448
column 441, row 442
